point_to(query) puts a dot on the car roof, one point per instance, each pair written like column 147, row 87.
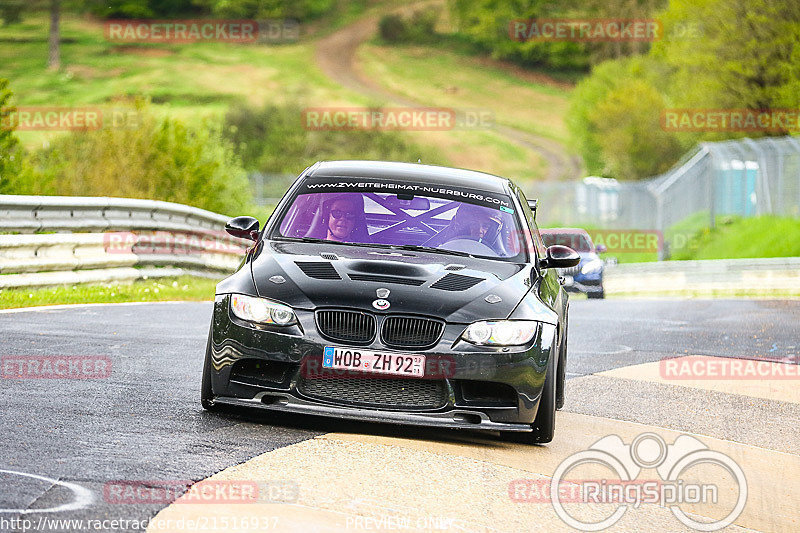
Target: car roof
column 432, row 174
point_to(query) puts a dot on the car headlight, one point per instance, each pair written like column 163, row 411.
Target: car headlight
column 595, row 265
column 261, row 310
column 500, row 332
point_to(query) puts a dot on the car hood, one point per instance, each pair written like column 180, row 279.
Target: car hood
column 452, row 288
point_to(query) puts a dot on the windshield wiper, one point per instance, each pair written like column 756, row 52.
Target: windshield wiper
column 407, row 247
column 310, row 239
column 415, row 248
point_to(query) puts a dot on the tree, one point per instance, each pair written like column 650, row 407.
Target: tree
column 628, row 131
column 486, row 23
column 54, row 55
column 9, row 159
column 716, row 54
column 160, row 158
column 739, row 54
column 293, row 9
column 11, row 11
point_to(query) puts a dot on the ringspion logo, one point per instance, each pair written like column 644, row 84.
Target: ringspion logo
column 688, row 474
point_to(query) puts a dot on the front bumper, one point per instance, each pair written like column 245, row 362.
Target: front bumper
column 518, row 370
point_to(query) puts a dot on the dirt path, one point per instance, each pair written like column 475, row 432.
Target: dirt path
column 336, row 56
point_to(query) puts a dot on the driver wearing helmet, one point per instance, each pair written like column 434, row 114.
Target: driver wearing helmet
column 476, row 223
column 472, row 222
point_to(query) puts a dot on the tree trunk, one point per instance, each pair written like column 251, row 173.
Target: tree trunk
column 54, row 58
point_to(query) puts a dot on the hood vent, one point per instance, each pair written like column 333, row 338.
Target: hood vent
column 386, row 279
column 388, row 268
column 456, row 282
column 330, row 256
column 318, row 269
column 454, row 266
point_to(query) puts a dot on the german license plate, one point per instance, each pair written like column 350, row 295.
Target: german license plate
column 368, row 361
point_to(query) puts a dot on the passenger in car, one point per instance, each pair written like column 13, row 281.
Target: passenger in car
column 341, row 219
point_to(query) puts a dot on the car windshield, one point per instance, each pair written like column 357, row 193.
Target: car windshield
column 577, row 241
column 485, row 226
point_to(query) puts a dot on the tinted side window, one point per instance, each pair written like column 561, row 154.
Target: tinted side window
column 537, row 238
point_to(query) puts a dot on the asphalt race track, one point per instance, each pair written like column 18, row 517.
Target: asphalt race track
column 63, row 441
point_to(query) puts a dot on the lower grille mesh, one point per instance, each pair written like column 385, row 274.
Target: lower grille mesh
column 390, row 393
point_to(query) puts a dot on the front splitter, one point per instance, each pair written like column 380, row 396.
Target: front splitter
column 456, row 419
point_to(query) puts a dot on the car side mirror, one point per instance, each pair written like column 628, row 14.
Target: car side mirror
column 560, row 257
column 600, row 248
column 243, row 227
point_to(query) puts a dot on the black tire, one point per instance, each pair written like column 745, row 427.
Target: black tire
column 544, row 424
column 206, row 392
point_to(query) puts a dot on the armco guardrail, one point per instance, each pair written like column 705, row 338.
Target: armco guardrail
column 52, row 240
column 778, row 275
column 31, row 214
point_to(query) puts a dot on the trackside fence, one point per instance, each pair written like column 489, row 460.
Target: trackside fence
column 744, row 177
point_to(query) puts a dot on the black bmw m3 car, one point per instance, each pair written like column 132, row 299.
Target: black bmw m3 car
column 399, row 293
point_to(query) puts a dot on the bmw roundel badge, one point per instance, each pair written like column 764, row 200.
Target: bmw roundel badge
column 380, row 304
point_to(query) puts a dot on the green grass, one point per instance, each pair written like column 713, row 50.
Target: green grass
column 166, row 289
column 452, row 78
column 735, row 237
column 261, row 212
column 200, row 81
column 193, row 81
